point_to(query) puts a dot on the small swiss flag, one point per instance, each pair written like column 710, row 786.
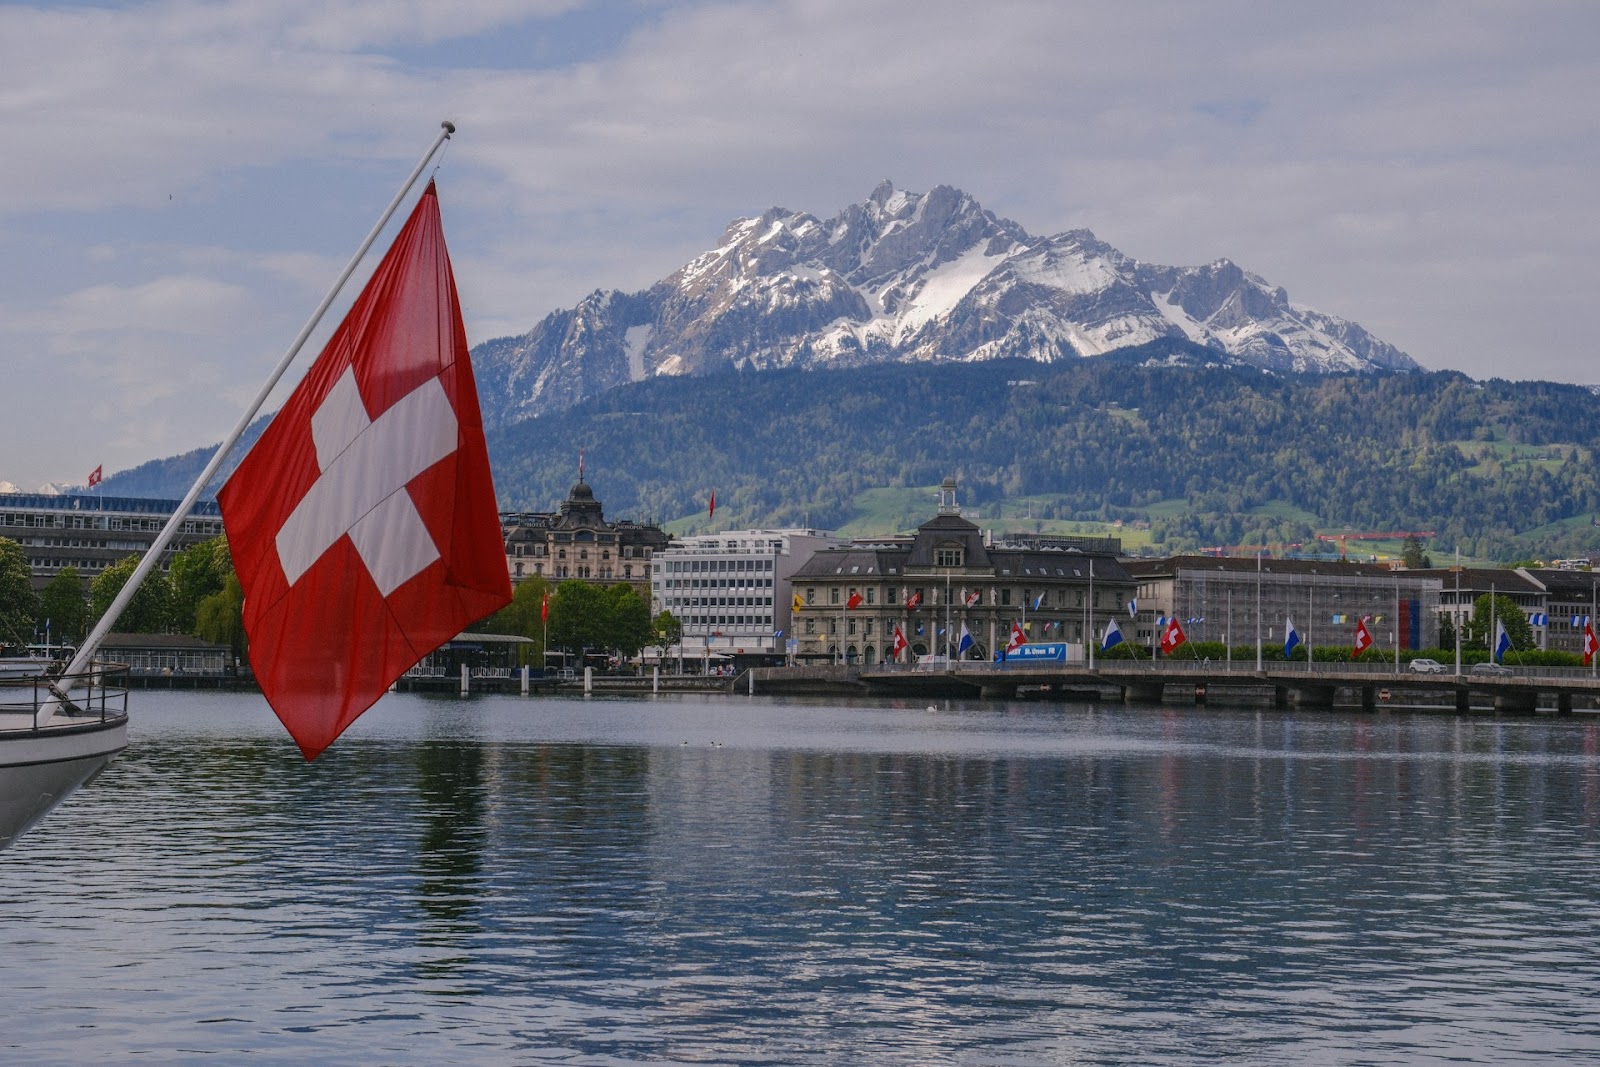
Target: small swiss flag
column 95, row 476
column 1363, row 637
column 1590, row 645
column 363, row 524
column 899, row 644
column 854, row 601
column 1172, row 637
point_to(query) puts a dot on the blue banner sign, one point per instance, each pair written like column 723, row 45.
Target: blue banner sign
column 1042, row 653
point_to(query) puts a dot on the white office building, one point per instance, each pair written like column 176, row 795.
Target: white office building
column 731, row 590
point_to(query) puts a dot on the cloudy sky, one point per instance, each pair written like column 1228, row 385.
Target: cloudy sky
column 184, row 179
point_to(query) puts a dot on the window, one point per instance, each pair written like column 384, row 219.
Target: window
column 947, row 556
column 1005, row 595
column 833, row 595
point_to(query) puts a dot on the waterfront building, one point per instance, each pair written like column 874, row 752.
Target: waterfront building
column 950, row 574
column 1571, row 596
column 90, row 532
column 732, row 591
column 1216, row 599
column 1464, row 585
column 578, row 542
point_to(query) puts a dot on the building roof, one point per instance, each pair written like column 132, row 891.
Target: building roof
column 1161, row 568
column 174, row 642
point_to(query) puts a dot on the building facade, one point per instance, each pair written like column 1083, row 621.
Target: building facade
column 578, row 542
column 1234, row 599
column 732, row 591
column 89, row 532
column 948, row 575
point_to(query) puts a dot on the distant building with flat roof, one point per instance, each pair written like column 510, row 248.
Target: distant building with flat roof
column 90, row 532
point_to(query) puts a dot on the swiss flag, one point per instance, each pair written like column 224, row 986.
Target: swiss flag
column 1172, row 637
column 1590, row 645
column 1018, row 638
column 854, row 601
column 913, row 602
column 363, row 524
column 95, row 476
column 544, row 607
column 1363, row 638
column 973, row 597
column 711, row 510
column 899, row 644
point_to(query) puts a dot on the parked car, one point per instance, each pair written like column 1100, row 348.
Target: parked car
column 1427, row 666
column 1490, row 668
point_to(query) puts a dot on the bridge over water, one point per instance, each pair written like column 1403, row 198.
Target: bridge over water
column 1524, row 690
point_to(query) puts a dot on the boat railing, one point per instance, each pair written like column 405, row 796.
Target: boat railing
column 99, row 694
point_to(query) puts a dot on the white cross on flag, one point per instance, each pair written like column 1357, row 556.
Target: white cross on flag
column 363, row 524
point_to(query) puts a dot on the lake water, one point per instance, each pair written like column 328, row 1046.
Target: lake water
column 749, row 881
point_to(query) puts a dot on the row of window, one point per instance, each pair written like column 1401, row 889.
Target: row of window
column 719, row 602
column 716, row 566
column 719, row 583
column 205, row 527
column 898, row 597
column 729, row 620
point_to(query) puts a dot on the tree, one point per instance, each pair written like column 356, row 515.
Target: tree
column 522, row 617
column 1447, row 630
column 19, row 604
column 579, row 616
column 62, row 607
column 198, row 572
column 667, row 630
column 1507, row 614
column 1412, row 553
column 629, row 622
column 150, row 610
column 219, row 618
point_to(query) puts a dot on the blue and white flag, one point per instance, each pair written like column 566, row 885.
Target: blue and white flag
column 1113, row 636
column 965, row 642
column 1291, row 638
column 1502, row 641
column 1038, row 600
column 1575, row 619
column 1539, row 618
column 777, row 633
column 1161, row 622
column 1133, row 609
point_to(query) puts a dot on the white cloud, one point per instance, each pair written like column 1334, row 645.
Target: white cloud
column 1423, row 168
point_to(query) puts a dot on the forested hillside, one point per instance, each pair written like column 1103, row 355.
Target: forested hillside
column 1210, row 455
column 1207, row 454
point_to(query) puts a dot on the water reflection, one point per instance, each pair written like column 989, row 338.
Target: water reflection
column 743, row 881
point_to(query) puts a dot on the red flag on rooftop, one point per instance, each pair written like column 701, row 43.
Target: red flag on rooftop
column 363, row 524
column 95, row 476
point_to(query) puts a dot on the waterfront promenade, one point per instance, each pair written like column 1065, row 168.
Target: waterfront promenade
column 1370, row 686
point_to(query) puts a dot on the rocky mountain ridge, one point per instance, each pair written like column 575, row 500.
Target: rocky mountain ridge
column 907, row 277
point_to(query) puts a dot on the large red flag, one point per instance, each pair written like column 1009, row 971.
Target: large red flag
column 853, row 601
column 899, row 644
column 95, row 477
column 1590, row 645
column 363, row 524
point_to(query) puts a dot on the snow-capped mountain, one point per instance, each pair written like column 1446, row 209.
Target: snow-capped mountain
column 907, row 276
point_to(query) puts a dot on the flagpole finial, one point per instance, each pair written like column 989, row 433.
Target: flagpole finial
column 448, row 127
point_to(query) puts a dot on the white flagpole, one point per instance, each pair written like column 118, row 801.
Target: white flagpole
column 153, row 555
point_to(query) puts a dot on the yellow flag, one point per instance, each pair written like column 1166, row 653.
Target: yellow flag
column 799, row 602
